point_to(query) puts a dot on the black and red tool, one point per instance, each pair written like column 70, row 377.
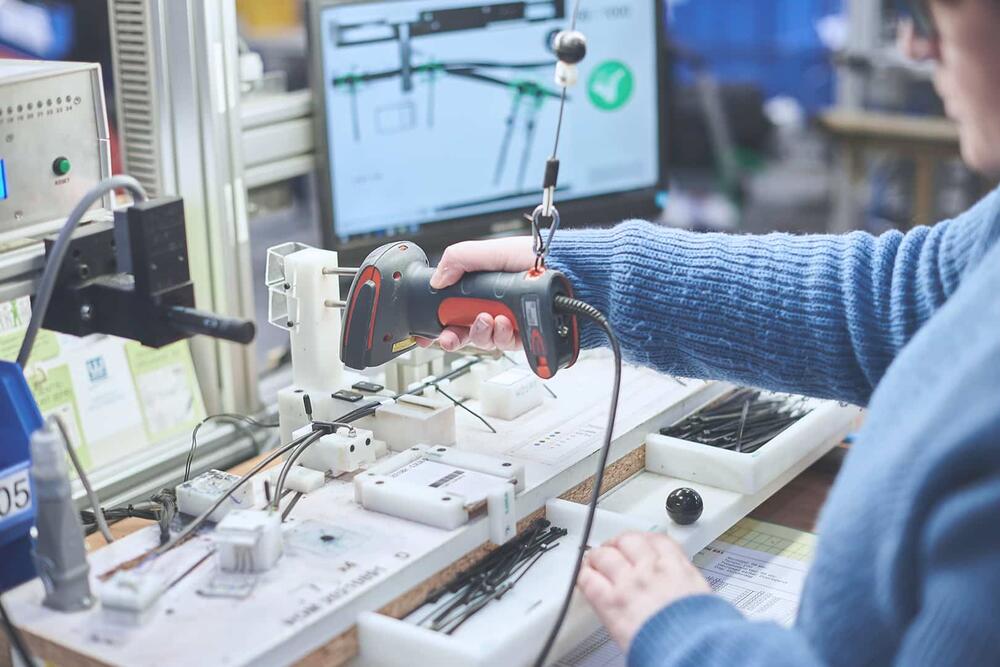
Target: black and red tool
column 391, row 301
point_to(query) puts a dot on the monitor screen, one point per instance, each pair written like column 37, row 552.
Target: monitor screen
column 438, row 109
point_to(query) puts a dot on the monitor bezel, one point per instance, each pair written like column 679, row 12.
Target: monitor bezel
column 593, row 211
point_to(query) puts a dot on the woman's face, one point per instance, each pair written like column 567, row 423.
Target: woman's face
column 966, row 48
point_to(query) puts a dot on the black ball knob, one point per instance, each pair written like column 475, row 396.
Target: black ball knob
column 684, row 505
column 570, row 46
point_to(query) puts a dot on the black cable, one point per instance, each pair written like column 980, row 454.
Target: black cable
column 465, row 407
column 239, row 420
column 15, row 637
column 574, row 306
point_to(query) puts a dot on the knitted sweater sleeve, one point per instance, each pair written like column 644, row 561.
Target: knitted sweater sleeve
column 820, row 315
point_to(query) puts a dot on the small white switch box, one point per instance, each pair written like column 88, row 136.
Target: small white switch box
column 197, row 495
column 470, row 384
column 248, row 541
column 129, row 597
column 510, row 394
column 340, row 452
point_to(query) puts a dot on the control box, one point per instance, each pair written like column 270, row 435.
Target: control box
column 54, row 143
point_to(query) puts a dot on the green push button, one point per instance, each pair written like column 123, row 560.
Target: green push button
column 60, row 166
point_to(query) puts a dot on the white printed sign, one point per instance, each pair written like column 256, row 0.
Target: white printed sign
column 15, row 495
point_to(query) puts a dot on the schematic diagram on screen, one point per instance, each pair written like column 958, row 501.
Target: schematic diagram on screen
column 441, row 49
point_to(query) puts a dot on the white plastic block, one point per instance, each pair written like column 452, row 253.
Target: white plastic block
column 423, row 504
column 130, row 596
column 314, row 328
column 383, row 468
column 248, row 541
column 502, row 513
column 510, row 394
column 292, row 413
column 303, row 480
column 412, row 366
column 469, row 384
column 484, row 463
column 344, row 451
column 826, row 425
column 197, row 495
column 411, row 421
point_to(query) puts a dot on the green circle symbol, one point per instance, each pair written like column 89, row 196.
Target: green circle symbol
column 610, row 85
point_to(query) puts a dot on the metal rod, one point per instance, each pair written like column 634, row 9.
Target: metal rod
column 340, row 271
column 330, row 303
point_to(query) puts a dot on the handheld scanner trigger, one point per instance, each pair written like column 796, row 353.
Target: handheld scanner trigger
column 551, row 340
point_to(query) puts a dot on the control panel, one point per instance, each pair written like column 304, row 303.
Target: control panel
column 53, row 142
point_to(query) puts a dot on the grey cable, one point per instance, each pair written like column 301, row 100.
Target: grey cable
column 203, row 517
column 95, row 504
column 54, row 261
column 279, row 485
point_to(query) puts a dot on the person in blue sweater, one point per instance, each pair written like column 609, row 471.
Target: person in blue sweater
column 907, row 569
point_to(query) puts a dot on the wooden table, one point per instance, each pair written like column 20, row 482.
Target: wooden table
column 927, row 141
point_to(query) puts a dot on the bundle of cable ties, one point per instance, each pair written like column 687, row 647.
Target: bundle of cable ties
column 743, row 421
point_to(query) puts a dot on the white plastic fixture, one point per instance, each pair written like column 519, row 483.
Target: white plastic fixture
column 441, row 486
column 130, row 597
column 468, row 385
column 303, row 480
column 197, row 495
column 414, row 420
column 248, row 541
column 511, row 394
column 826, row 424
column 344, row 451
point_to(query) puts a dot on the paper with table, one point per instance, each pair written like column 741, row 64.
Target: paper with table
column 759, row 567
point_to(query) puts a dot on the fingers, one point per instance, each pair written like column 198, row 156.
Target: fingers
column 609, row 561
column 452, row 338
column 503, row 334
column 481, row 332
column 486, row 333
column 594, row 586
column 641, row 548
column 510, row 254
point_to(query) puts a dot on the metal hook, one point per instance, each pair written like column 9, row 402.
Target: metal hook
column 542, row 248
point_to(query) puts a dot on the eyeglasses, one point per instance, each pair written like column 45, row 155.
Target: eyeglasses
column 923, row 19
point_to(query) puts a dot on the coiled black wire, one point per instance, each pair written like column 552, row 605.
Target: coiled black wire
column 572, row 306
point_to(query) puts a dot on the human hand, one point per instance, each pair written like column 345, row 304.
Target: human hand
column 629, row 579
column 508, row 254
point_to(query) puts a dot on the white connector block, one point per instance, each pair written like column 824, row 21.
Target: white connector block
column 197, row 495
column 344, row 451
column 248, row 541
column 414, row 420
column 300, row 479
column 423, row 504
column 412, row 366
column 130, row 597
column 470, row 384
column 511, row 394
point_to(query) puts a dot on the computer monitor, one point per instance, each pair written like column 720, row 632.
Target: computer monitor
column 435, row 117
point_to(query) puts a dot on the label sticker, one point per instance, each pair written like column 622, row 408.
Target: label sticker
column 15, row 494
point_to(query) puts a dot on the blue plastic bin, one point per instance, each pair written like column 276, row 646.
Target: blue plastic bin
column 19, row 418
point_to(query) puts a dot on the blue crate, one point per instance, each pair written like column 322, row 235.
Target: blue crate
column 770, row 43
column 19, row 418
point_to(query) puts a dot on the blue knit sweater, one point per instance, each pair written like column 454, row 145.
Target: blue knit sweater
column 908, row 565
